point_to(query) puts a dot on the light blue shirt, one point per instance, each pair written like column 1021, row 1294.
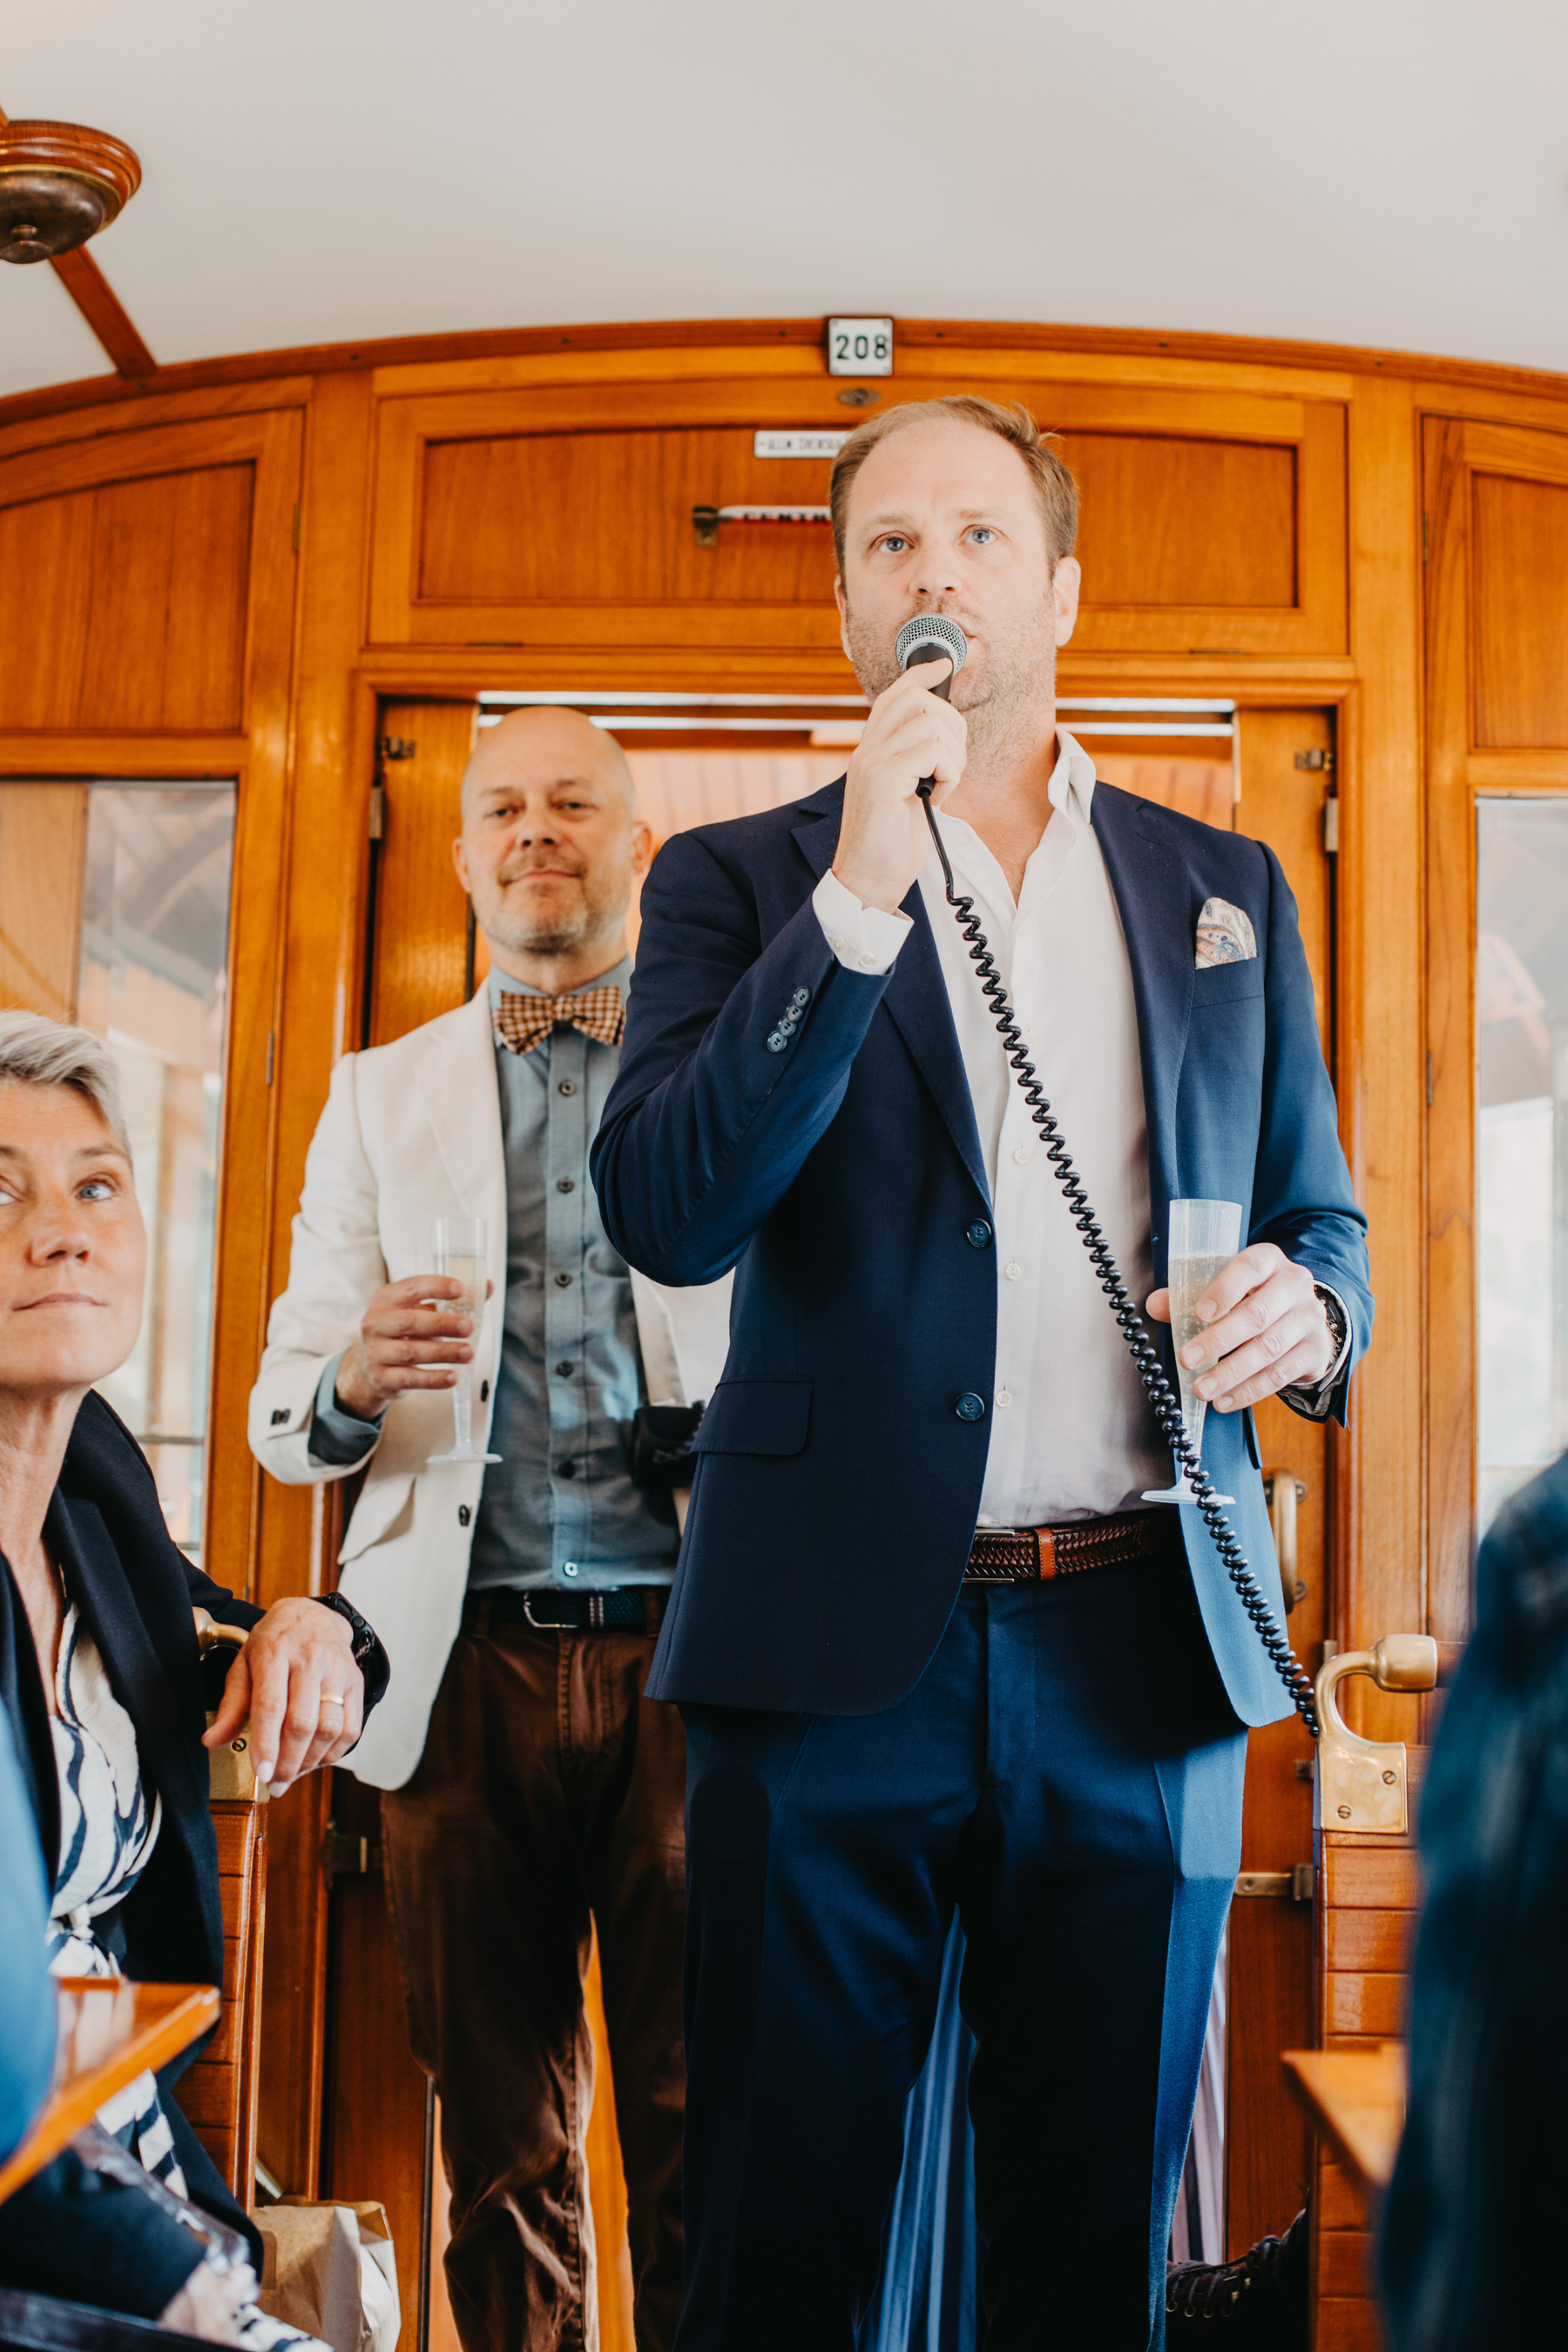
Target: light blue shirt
column 559, row 1511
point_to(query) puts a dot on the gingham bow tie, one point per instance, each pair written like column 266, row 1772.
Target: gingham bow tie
column 523, row 1022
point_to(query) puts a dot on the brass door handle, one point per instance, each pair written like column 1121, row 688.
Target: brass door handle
column 1282, row 1490
column 1360, row 1783
column 229, row 1772
column 211, row 1636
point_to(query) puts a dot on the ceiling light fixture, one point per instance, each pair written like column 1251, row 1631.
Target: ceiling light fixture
column 60, row 184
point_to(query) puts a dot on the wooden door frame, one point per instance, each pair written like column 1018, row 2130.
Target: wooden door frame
column 256, row 758
column 1460, row 779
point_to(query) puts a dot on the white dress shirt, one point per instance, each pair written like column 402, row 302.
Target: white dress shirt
column 1071, row 1431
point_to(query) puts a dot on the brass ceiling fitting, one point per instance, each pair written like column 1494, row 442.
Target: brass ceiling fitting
column 60, row 184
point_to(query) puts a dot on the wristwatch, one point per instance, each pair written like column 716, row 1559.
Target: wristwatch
column 1338, row 1322
column 368, row 1654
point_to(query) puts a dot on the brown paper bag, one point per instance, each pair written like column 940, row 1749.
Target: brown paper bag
column 329, row 2271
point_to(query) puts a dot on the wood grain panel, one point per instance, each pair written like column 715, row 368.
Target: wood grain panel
column 1376, row 1940
column 1382, row 1877
column 555, row 516
column 124, row 608
column 1347, row 2263
column 1341, row 2205
column 1519, row 579
column 43, row 848
column 587, row 537
column 1175, row 521
column 1357, row 2003
column 1269, row 2149
column 1347, row 2326
column 1496, row 501
column 219, row 2093
column 375, row 2114
column 422, row 910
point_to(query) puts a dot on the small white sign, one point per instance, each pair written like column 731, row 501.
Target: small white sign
column 797, row 445
column 860, row 347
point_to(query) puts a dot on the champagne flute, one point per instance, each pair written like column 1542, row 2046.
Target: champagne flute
column 1205, row 1236
column 461, row 1250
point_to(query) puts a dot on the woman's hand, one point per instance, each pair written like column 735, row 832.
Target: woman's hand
column 297, row 1681
column 210, row 2302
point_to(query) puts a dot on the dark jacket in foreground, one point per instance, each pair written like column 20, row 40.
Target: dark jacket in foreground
column 1471, row 2250
column 67, row 2234
column 839, row 1171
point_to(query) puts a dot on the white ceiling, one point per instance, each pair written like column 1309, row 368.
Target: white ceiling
column 1386, row 171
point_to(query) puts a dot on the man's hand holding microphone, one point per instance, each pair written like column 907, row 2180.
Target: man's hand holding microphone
column 912, row 733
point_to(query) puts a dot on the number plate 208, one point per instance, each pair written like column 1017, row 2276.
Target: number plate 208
column 860, row 347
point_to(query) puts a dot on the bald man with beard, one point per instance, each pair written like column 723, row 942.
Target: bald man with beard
column 531, row 1790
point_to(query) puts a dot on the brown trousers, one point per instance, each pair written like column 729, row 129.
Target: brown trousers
column 551, row 1794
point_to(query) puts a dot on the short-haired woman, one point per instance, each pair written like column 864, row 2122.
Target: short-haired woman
column 100, row 1670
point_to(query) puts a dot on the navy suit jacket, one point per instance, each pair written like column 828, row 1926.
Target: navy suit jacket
column 836, row 1484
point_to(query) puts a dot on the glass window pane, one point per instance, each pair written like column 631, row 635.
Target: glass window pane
column 152, row 979
column 1521, row 1151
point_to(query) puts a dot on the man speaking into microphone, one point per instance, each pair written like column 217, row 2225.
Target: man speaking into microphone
column 931, row 1644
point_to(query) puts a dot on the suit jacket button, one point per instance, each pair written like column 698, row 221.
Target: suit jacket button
column 280, row 1416
column 464, row 1515
column 777, row 1041
column 978, row 1236
column 970, row 1407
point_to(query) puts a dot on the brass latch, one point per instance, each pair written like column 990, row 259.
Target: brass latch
column 1360, row 1783
column 1296, row 1885
column 1282, row 1491
column 346, row 1856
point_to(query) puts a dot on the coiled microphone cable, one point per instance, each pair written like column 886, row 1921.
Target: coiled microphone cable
column 931, row 637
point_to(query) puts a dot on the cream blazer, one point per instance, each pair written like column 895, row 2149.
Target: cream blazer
column 411, row 1131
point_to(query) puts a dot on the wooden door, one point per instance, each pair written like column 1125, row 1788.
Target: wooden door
column 1278, row 787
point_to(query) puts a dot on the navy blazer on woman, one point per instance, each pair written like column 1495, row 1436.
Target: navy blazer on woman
column 68, row 2231
column 812, row 1127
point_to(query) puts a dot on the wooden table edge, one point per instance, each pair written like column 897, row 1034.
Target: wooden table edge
column 73, row 2103
column 1300, row 2066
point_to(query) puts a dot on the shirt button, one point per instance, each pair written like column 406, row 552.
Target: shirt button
column 566, row 1470
column 868, row 962
column 568, row 1568
column 1004, row 1396
column 464, row 1515
column 1021, row 1154
column 836, row 943
column 567, row 1087
column 1012, row 1270
column 564, row 1371
column 484, row 1391
column 971, row 1407
column 978, row 1236
column 563, row 1281
column 565, row 1184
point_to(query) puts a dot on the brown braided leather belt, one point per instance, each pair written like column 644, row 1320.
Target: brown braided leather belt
column 1025, row 1555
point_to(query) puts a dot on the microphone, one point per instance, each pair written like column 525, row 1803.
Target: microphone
column 932, row 636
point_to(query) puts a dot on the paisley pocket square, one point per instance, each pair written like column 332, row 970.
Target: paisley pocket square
column 1225, row 935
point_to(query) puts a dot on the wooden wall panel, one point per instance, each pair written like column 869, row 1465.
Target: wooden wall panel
column 421, row 909
column 1168, row 521
column 124, row 608
column 43, row 854
column 1518, row 580
column 558, row 517
column 1495, row 501
column 544, row 515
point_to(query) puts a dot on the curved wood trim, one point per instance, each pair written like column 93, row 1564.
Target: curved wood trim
column 965, row 335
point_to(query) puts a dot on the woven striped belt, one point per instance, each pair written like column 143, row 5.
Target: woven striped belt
column 1026, row 1555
